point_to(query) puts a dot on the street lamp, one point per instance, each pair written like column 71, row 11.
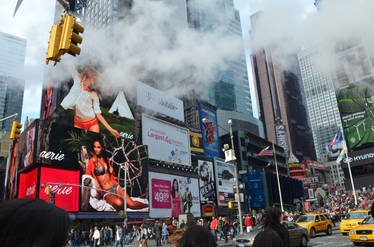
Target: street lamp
column 230, row 157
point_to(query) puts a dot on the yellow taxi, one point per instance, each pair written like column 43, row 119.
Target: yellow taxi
column 315, row 223
column 363, row 233
column 352, row 219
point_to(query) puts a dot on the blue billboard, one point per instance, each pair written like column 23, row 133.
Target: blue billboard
column 209, row 128
column 254, row 185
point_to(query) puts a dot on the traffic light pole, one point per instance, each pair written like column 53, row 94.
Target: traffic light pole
column 7, row 170
column 236, row 180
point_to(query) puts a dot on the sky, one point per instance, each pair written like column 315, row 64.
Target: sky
column 34, row 19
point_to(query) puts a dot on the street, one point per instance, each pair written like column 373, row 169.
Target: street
column 335, row 240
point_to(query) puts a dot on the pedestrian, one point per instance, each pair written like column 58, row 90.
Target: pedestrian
column 220, row 228
column 225, row 229
column 96, row 237
column 165, row 233
column 248, row 223
column 273, row 234
column 158, row 233
column 214, row 227
column 33, row 222
column 143, row 236
column 118, row 236
column 90, row 237
column 106, row 237
column 136, row 236
column 197, row 236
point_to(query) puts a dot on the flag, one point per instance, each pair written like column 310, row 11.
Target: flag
column 341, row 155
column 338, row 138
column 268, row 151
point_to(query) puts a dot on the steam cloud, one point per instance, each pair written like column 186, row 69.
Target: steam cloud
column 287, row 28
column 152, row 44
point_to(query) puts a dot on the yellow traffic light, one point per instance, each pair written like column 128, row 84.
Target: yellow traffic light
column 233, row 204
column 70, row 36
column 16, row 130
column 54, row 43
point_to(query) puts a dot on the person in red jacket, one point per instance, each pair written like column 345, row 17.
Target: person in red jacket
column 249, row 223
column 214, row 227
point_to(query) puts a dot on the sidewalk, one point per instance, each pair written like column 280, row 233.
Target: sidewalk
column 152, row 243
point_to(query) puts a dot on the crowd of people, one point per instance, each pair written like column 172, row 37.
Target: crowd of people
column 44, row 224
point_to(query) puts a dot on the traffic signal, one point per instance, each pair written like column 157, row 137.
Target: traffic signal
column 16, row 130
column 70, row 36
column 233, row 204
column 54, row 43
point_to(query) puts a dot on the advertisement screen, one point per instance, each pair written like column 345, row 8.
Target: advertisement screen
column 27, row 144
column 254, row 185
column 356, row 105
column 62, row 184
column 158, row 101
column 225, row 181
column 13, row 172
column 27, row 184
column 171, row 196
column 208, row 125
column 102, row 160
column 165, row 141
column 207, row 185
column 196, row 141
column 355, row 95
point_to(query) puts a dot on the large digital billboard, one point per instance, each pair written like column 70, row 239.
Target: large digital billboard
column 27, row 184
column 170, row 196
column 157, row 101
column 207, row 185
column 209, row 128
column 165, row 141
column 355, row 95
column 92, row 130
column 27, row 144
column 225, row 181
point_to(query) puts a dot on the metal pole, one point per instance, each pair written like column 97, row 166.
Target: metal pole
column 349, row 167
column 350, row 176
column 236, row 180
column 7, row 171
column 11, row 116
column 279, row 187
column 125, row 197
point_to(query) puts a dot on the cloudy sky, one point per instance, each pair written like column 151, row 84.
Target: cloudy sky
column 34, row 19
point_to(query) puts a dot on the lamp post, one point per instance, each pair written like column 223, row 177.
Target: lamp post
column 236, row 177
column 125, row 198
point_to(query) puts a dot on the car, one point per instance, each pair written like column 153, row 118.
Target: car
column 315, row 223
column 298, row 235
column 363, row 233
column 352, row 219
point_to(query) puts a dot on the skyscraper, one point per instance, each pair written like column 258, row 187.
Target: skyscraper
column 321, row 101
column 230, row 90
column 12, row 59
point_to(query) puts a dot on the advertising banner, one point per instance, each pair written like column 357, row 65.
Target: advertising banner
column 27, row 184
column 157, row 101
column 92, row 130
column 62, row 183
column 11, row 183
column 254, row 185
column 358, row 158
column 225, row 181
column 207, row 186
column 209, row 128
column 196, row 141
column 171, row 196
column 355, row 95
column 166, row 141
column 27, row 145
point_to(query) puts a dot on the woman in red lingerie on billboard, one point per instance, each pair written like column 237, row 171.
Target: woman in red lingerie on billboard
column 84, row 100
column 101, row 170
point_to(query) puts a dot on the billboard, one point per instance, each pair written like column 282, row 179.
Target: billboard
column 102, row 160
column 170, row 196
column 209, row 128
column 62, row 184
column 166, row 141
column 27, row 184
column 254, row 185
column 12, row 174
column 225, row 181
column 157, row 101
column 89, row 126
column 207, row 186
column 27, row 145
column 355, row 95
column 196, row 141
column 356, row 105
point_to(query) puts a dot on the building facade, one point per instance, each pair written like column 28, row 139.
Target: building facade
column 12, row 59
column 322, row 105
